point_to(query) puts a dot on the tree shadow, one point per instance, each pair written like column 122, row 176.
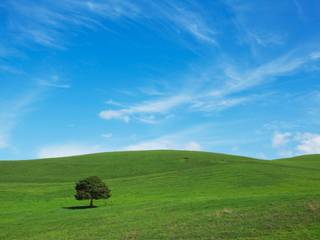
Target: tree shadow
column 79, row 207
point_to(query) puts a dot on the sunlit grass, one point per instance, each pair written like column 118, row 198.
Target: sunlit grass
column 163, row 195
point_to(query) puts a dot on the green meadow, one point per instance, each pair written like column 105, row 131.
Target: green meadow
column 162, row 195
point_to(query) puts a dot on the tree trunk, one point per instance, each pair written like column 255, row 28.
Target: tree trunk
column 91, row 202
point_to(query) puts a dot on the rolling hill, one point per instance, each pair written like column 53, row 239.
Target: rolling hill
column 163, row 195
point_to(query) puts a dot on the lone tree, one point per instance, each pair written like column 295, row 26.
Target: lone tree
column 92, row 188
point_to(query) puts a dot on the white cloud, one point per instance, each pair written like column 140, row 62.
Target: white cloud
column 114, row 103
column 67, row 150
column 217, row 98
column 152, row 145
column 282, row 142
column 309, row 143
column 112, row 9
column 291, row 144
column 150, row 119
column 265, row 39
column 245, row 79
column 53, row 81
column 164, row 143
column 209, row 104
column 207, row 98
column 107, row 135
column 160, row 106
column 115, row 114
column 280, row 139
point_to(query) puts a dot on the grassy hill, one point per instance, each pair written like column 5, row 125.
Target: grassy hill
column 163, row 195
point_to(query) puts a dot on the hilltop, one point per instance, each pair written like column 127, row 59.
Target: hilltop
column 163, row 195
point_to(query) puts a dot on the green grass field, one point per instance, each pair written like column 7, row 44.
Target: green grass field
column 163, row 195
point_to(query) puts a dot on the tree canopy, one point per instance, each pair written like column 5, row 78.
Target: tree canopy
column 92, row 188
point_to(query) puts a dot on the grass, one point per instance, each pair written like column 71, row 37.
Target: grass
column 162, row 195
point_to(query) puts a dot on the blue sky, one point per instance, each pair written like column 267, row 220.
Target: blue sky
column 232, row 76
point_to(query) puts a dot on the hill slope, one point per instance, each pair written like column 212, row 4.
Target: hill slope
column 163, row 195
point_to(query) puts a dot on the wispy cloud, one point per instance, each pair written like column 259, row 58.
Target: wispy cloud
column 12, row 111
column 68, row 149
column 238, row 79
column 6, row 53
column 214, row 104
column 9, row 69
column 265, row 39
column 222, row 95
column 250, row 30
column 74, row 149
column 112, row 9
column 188, row 20
column 184, row 139
column 114, row 103
column 166, row 142
column 161, row 106
column 46, row 23
column 53, row 81
column 315, row 55
column 107, row 135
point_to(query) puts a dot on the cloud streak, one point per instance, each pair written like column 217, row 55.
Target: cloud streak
column 172, row 141
column 13, row 111
column 45, row 23
column 225, row 94
column 69, row 149
column 161, row 106
column 241, row 80
column 53, row 82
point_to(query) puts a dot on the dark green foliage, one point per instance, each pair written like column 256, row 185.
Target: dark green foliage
column 92, row 188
